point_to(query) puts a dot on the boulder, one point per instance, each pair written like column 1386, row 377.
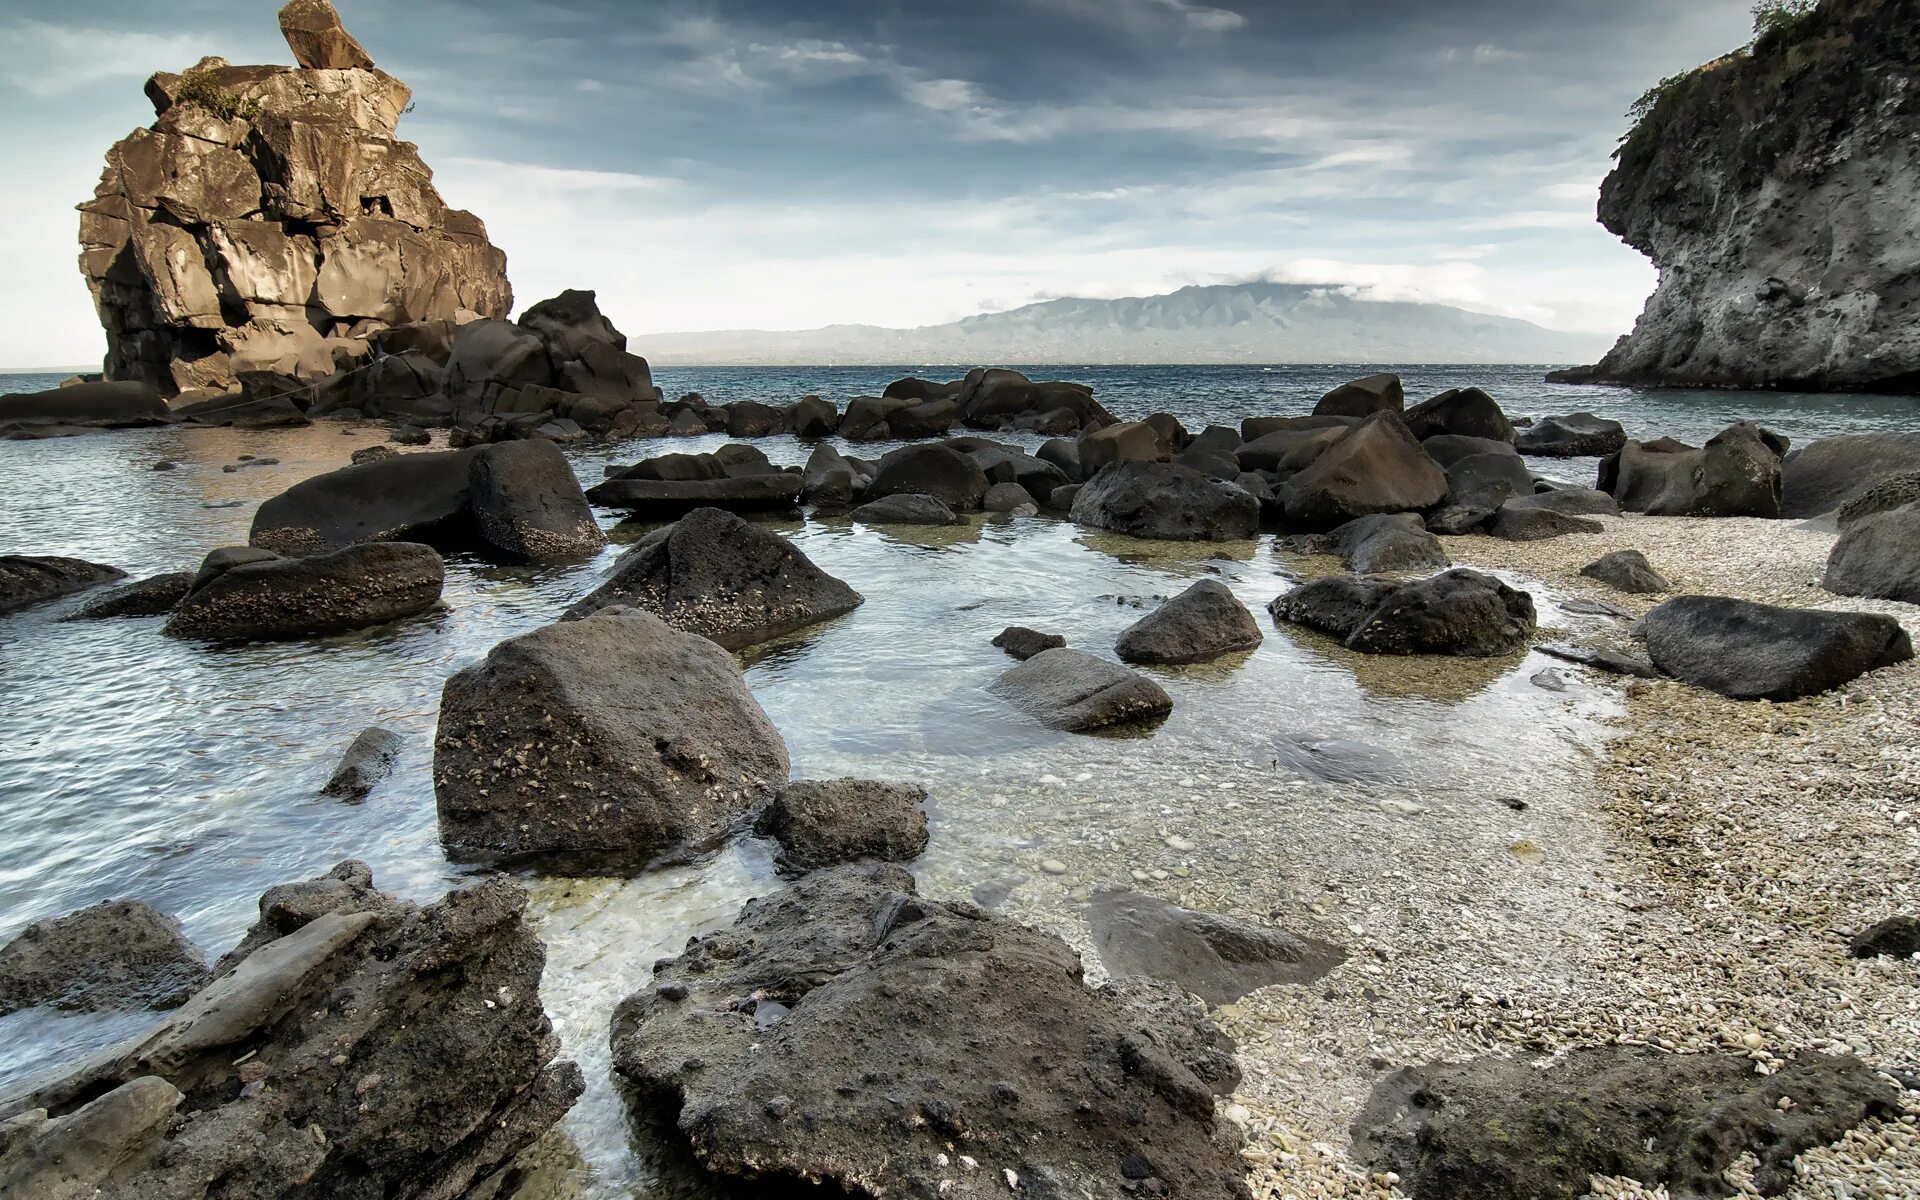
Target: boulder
column 938, row 471
column 614, row 738
column 117, row 956
column 1460, row 412
column 1458, row 612
column 826, row 823
column 1268, row 451
column 812, row 417
column 715, row 575
column 353, row 1044
column 1128, row 441
column 1252, row 429
column 1023, row 643
column 1376, row 467
column 866, row 418
column 1449, row 448
column 94, row 405
column 847, row 1033
column 276, row 598
column 1062, row 498
column 828, row 482
column 1627, row 571
column 1821, row 476
column 1363, row 398
column 1579, row 435
column 1165, row 502
column 150, row 597
column 1200, row 624
column 1009, row 498
column 1570, row 501
column 1004, row 464
column 1895, row 937
column 1075, row 692
column 1172, row 435
column 1498, row 1128
column 367, row 761
column 1488, row 480
column 1896, row 491
column 1878, row 557
column 527, row 505
column 1750, row 651
column 1215, row 439
column 659, row 498
column 907, row 509
column 1736, row 474
column 318, row 40
column 752, row 419
column 1386, row 542
column 1217, row 958
column 917, row 390
column 1514, row 522
column 27, row 579
column 929, row 419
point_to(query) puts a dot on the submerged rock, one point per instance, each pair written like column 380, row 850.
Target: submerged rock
column 713, row 574
column 907, row 509
column 27, row 579
column 149, row 597
column 1458, row 612
column 116, row 956
column 273, row 597
column 1073, row 691
column 1202, row 623
column 1217, row 958
column 1161, row 501
column 1627, row 571
column 846, row 1032
column 367, row 761
column 1878, row 556
column 353, row 1044
column 1503, row 1129
column 1749, row 651
column 1023, row 643
column 615, row 737
column 825, row 823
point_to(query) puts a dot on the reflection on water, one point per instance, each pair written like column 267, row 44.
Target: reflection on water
column 187, row 775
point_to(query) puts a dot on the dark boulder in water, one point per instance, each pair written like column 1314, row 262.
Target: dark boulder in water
column 1202, row 623
column 277, row 598
column 1579, row 435
column 937, row 470
column 1363, row 398
column 1457, row 612
column 1460, row 412
column 367, row 761
column 1382, row 542
column 1073, row 691
column 1165, row 502
column 613, row 738
column 660, row 498
column 527, row 506
column 1504, row 1129
column 907, row 510
column 150, row 597
column 713, row 574
column 1878, row 556
column 1217, row 958
column 846, row 1032
column 27, row 579
column 829, row 822
column 1128, row 441
column 1023, row 643
column 1749, row 651
column 116, row 956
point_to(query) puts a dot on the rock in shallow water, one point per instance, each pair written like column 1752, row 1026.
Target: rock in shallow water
column 1200, row 624
column 615, row 738
column 907, row 509
column 27, row 579
column 1457, row 612
column 274, row 598
column 120, row 955
column 824, row 823
column 1023, row 643
column 1501, row 1129
column 910, row 1032
column 367, row 761
column 1217, row 958
column 1165, row 502
column 1073, row 691
column 150, row 597
column 1749, row 651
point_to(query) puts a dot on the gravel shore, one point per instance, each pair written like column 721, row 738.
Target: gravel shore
column 1693, row 890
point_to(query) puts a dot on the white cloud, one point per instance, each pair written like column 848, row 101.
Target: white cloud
column 50, row 60
column 1147, row 17
column 1481, row 55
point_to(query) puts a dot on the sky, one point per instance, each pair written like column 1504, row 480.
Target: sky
column 786, row 164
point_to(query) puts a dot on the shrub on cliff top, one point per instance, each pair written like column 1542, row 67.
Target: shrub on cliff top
column 1781, row 20
column 198, row 87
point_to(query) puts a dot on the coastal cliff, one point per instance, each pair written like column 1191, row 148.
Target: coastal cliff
column 269, row 215
column 1778, row 191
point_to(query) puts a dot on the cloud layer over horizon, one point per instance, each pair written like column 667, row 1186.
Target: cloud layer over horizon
column 735, row 164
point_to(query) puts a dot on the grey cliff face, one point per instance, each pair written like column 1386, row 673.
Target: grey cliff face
column 269, row 213
column 1778, row 191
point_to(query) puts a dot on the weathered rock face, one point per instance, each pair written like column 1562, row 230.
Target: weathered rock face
column 847, row 1032
column 1775, row 190
column 1458, row 612
column 1750, row 651
column 1202, row 623
column 352, row 1045
column 120, row 955
column 827, row 822
column 269, row 597
column 270, row 213
column 1073, row 691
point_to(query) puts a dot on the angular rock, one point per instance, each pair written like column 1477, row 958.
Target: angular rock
column 908, row 509
column 847, row 1033
column 826, row 823
column 117, row 956
column 1570, row 501
column 752, row 419
column 672, row 498
column 527, row 505
column 938, row 471
column 1627, row 571
column 1387, row 542
column 713, row 574
column 410, row 1040
column 1165, row 502
column 1335, row 605
column 1363, row 398
column 150, row 597
column 1129, row 441
column 1736, row 474
column 1023, row 643
column 1460, row 412
column 828, row 482
column 1075, row 692
column 1895, row 937
column 27, row 579
column 414, row 497
column 1200, row 624
column 1821, row 476
column 1878, row 556
column 1579, row 435
column 614, row 738
column 1376, row 467
column 1749, row 651
column 1217, row 958
column 1488, row 480
column 866, row 417
column 1009, row 498
column 812, row 417
column 278, row 598
column 1515, row 522
column 1499, row 1128
column 318, row 40
column 1458, row 612
column 367, row 761
column 94, row 405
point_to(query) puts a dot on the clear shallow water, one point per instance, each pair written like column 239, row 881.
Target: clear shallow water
column 136, row 766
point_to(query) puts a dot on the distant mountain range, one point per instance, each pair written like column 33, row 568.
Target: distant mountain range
column 1227, row 323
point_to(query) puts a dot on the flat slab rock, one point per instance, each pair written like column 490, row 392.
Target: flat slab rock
column 29, row 579
column 847, row 1032
column 255, row 595
column 1500, row 1129
column 1217, row 958
column 116, row 956
column 1200, row 624
column 727, row 580
column 1749, row 651
column 1073, row 691
column 150, row 597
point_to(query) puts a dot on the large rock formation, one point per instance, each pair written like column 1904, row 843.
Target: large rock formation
column 1775, row 190
column 268, row 214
